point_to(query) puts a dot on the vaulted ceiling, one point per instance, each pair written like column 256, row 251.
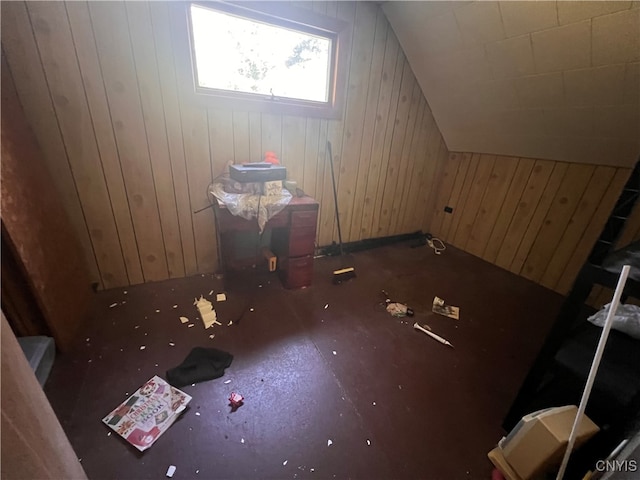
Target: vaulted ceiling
column 544, row 79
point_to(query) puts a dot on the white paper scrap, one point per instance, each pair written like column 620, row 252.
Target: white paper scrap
column 329, row 443
column 368, row 442
column 242, row 440
column 190, row 325
column 221, row 297
column 285, row 462
column 175, row 306
column 326, row 306
column 171, row 344
column 171, row 470
column 142, row 347
column 197, row 414
column 211, row 293
column 113, row 305
column 184, row 319
column 335, row 353
column 212, row 336
column 227, row 382
column 157, row 311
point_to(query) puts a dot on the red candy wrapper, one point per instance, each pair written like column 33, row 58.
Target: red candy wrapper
column 236, row 399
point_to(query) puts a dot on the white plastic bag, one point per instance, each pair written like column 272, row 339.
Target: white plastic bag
column 626, row 319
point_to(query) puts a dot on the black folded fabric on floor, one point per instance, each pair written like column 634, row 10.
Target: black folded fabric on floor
column 200, row 365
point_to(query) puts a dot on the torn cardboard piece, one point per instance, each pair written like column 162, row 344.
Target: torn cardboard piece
column 207, row 313
column 442, row 308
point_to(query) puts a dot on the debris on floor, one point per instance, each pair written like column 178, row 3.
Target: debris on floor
column 208, row 314
column 441, row 308
column 220, row 297
column 113, row 305
column 171, row 344
column 236, row 401
column 227, row 382
column 329, row 443
column 142, row 431
column 212, row 336
column 142, row 347
column 397, row 309
column 190, row 325
column 437, row 338
column 184, row 320
column 171, row 470
column 201, row 364
column 175, row 306
column 285, row 462
column 335, row 353
column 368, row 442
column 326, row 306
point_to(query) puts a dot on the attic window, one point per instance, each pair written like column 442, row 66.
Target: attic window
column 244, row 56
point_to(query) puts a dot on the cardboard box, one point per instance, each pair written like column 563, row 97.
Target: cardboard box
column 501, row 464
column 538, row 442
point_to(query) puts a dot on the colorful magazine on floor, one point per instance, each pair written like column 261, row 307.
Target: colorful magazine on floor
column 148, row 413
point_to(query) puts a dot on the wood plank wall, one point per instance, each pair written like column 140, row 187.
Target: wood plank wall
column 536, row 218
column 99, row 85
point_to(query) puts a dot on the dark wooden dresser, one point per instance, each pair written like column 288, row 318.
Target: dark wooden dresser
column 293, row 233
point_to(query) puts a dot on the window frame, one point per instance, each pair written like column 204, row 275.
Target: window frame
column 285, row 16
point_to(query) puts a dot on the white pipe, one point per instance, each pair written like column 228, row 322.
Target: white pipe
column 594, row 368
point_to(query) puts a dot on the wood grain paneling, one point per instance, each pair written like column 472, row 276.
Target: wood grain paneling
column 536, row 218
column 101, row 85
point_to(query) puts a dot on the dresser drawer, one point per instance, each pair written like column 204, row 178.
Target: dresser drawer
column 302, row 241
column 296, row 272
column 306, row 218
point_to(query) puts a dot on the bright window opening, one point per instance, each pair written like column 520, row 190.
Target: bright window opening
column 250, row 56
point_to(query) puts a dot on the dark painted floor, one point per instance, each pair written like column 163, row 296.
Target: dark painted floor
column 323, row 363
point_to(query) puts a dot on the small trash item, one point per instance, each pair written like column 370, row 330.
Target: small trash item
column 220, row 297
column 397, row 309
column 207, row 312
column 190, row 325
column 442, row 308
column 113, row 305
column 171, row 470
column 142, row 347
column 236, row 401
column 329, row 443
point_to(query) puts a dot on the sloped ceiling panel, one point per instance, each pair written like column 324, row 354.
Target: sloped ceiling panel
column 553, row 80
